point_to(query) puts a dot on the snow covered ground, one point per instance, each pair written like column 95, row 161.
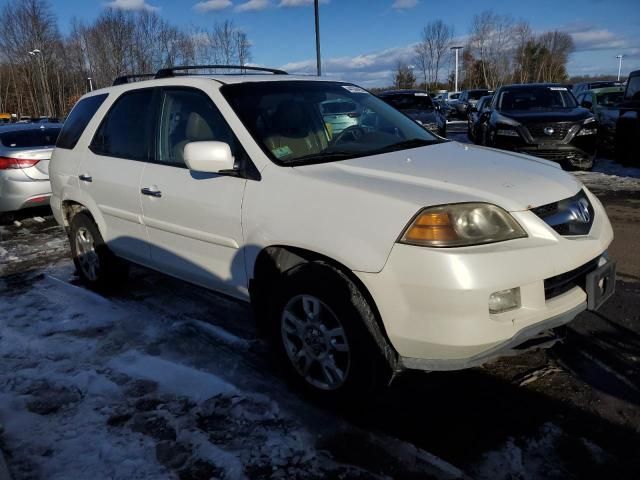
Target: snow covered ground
column 115, row 388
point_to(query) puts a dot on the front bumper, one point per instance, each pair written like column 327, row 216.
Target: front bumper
column 17, row 191
column 434, row 302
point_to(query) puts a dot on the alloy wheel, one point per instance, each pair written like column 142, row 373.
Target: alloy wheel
column 315, row 342
column 87, row 256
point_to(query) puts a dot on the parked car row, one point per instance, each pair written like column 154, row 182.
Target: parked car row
column 548, row 121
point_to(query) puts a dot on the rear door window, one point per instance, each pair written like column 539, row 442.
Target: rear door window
column 78, row 120
column 127, row 129
column 33, row 138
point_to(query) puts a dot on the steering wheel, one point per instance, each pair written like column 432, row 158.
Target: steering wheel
column 356, row 132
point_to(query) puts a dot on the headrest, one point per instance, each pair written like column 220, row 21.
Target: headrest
column 197, row 128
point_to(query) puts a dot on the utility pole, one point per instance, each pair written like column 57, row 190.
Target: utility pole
column 317, row 14
column 90, row 84
column 619, row 57
column 456, row 50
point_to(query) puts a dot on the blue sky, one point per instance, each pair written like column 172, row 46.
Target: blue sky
column 363, row 39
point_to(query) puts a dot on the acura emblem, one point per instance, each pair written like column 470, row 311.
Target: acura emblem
column 548, row 130
column 580, row 211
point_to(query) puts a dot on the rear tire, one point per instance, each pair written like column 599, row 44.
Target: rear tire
column 317, row 322
column 97, row 266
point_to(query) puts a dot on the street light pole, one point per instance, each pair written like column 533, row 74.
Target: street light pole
column 90, row 84
column 619, row 57
column 37, row 54
column 317, row 15
column 456, row 50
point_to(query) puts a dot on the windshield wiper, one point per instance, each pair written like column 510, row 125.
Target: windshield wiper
column 404, row 145
column 321, row 158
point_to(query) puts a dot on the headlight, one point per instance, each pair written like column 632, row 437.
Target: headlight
column 589, row 122
column 461, row 224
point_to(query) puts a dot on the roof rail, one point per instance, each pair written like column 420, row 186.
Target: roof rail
column 171, row 71
column 124, row 79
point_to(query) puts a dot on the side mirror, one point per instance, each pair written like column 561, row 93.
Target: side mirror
column 209, row 157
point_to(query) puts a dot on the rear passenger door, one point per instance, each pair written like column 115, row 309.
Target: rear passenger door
column 193, row 219
column 111, row 170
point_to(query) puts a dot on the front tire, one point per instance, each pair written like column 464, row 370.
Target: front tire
column 319, row 332
column 97, row 267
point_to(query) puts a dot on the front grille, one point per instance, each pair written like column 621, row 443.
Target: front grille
column 571, row 216
column 559, row 284
column 560, row 130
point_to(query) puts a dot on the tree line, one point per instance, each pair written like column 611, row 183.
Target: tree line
column 498, row 50
column 43, row 72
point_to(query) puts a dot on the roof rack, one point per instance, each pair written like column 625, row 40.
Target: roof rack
column 171, row 71
column 124, row 79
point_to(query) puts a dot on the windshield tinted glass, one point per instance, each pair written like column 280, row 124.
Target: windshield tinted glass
column 633, row 89
column 477, row 94
column 288, row 120
column 535, row 98
column 412, row 101
column 610, row 98
column 33, row 138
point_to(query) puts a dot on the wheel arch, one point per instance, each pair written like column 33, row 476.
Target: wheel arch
column 275, row 262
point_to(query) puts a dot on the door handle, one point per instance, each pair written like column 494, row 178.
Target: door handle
column 151, row 192
column 85, row 178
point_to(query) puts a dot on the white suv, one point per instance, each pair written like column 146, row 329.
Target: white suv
column 370, row 251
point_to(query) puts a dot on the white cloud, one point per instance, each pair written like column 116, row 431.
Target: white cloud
column 253, row 5
column 298, row 3
column 404, row 4
column 373, row 69
column 212, row 5
column 131, row 5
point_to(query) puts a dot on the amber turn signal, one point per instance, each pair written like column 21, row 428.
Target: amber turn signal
column 431, row 227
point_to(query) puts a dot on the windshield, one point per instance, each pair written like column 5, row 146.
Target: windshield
column 296, row 122
column 411, row 101
column 36, row 137
column 535, row 98
column 610, row 98
column 477, row 94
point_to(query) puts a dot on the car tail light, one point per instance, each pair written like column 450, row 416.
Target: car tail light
column 7, row 163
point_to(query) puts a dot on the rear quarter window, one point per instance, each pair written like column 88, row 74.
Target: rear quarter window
column 78, row 120
column 33, row 138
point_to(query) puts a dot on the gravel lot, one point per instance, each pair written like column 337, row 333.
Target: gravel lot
column 165, row 380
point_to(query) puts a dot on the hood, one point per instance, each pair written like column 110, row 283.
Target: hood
column 451, row 172
column 538, row 116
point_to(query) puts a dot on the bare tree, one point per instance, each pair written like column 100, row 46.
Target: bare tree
column 404, row 77
column 433, row 47
column 491, row 41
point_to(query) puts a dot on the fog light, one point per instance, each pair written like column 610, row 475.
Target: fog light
column 504, row 300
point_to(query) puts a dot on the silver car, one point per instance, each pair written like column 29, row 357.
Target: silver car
column 25, row 150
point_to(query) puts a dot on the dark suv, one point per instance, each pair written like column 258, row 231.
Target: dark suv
column 543, row 120
column 419, row 106
column 468, row 99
